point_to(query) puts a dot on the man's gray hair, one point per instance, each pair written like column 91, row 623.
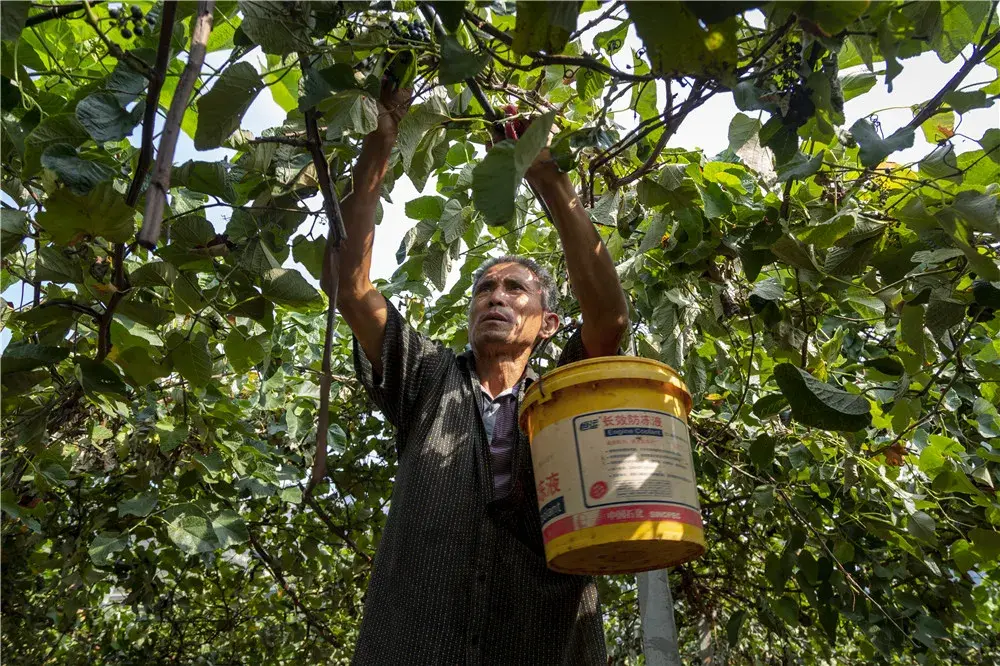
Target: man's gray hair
column 550, row 295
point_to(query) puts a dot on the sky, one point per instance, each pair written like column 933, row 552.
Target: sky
column 706, row 128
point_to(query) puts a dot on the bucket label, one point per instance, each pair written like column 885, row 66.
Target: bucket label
column 625, row 465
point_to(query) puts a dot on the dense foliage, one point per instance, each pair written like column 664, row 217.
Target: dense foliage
column 833, row 312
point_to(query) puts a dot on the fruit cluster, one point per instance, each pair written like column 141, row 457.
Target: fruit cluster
column 515, row 127
column 415, row 30
column 135, row 16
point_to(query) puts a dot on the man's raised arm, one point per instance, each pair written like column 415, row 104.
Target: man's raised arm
column 362, row 306
column 591, row 271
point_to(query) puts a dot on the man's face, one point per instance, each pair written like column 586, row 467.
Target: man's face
column 507, row 314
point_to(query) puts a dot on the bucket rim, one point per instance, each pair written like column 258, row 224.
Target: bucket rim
column 597, row 369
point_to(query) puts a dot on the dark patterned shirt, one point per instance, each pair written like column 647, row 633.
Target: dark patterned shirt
column 460, row 575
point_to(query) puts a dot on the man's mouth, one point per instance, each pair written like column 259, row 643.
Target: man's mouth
column 494, row 316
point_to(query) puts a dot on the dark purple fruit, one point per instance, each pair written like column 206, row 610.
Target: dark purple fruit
column 126, row 33
column 136, row 12
column 138, row 30
column 114, row 12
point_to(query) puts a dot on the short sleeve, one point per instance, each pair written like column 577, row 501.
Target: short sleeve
column 410, row 362
column 574, row 350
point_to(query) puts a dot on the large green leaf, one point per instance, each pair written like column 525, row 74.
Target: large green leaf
column 13, row 229
column 69, row 218
column 494, row 183
column 192, row 534
column 12, row 18
column 288, row 287
column 21, row 356
column 415, row 124
column 221, row 109
column 874, row 149
column 60, row 128
column 821, row 405
column 458, row 64
column 544, row 26
column 81, row 175
column 280, row 28
column 193, row 360
column 105, row 119
column 677, row 43
column 349, row 111
column 104, row 546
column 230, row 528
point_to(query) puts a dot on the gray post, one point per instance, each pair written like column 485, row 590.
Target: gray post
column 656, row 610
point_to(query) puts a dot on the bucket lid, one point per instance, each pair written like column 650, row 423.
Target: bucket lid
column 606, row 368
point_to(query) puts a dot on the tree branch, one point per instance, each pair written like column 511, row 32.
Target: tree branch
column 542, row 59
column 275, row 570
column 58, row 12
column 931, row 107
column 157, row 76
column 156, row 195
column 330, row 283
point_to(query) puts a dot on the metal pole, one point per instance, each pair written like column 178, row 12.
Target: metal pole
column 656, row 610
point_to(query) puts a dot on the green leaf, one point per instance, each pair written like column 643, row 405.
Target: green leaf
column 221, row 109
column 425, row 208
column 21, row 356
column 526, row 149
column 230, row 529
column 79, row 174
column 69, row 218
column 960, row 21
column 938, row 127
column 821, row 405
column 193, row 360
column 105, row 119
column 12, row 18
column 922, row 526
column 309, row 253
column 857, row 83
column 453, row 221
column 458, row 64
column 941, row 164
column 733, row 627
column 874, row 149
column 991, row 144
column 800, row 167
column 832, row 18
column 494, row 183
column 192, row 534
column 742, row 128
column 140, row 505
column 13, row 229
column 205, row 177
column 60, row 128
column 437, row 264
column 677, row 43
column 911, row 329
column 140, row 367
column 762, row 448
column 287, row 287
column 611, row 41
column 349, row 111
column 825, row 234
column 278, row 27
column 154, row 274
column 244, row 351
column 104, row 546
column 544, row 26
column 96, row 377
column 415, row 125
column 450, row 12
column 889, row 365
column 986, row 543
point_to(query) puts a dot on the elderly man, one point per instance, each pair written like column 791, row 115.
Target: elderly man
column 460, row 574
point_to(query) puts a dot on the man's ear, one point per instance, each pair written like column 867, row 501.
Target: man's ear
column 550, row 324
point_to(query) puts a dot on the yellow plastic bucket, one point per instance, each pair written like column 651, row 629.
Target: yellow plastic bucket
column 613, row 468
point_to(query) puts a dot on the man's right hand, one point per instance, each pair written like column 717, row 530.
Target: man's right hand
column 392, row 106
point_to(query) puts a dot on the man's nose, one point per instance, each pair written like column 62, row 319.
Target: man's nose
column 498, row 296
